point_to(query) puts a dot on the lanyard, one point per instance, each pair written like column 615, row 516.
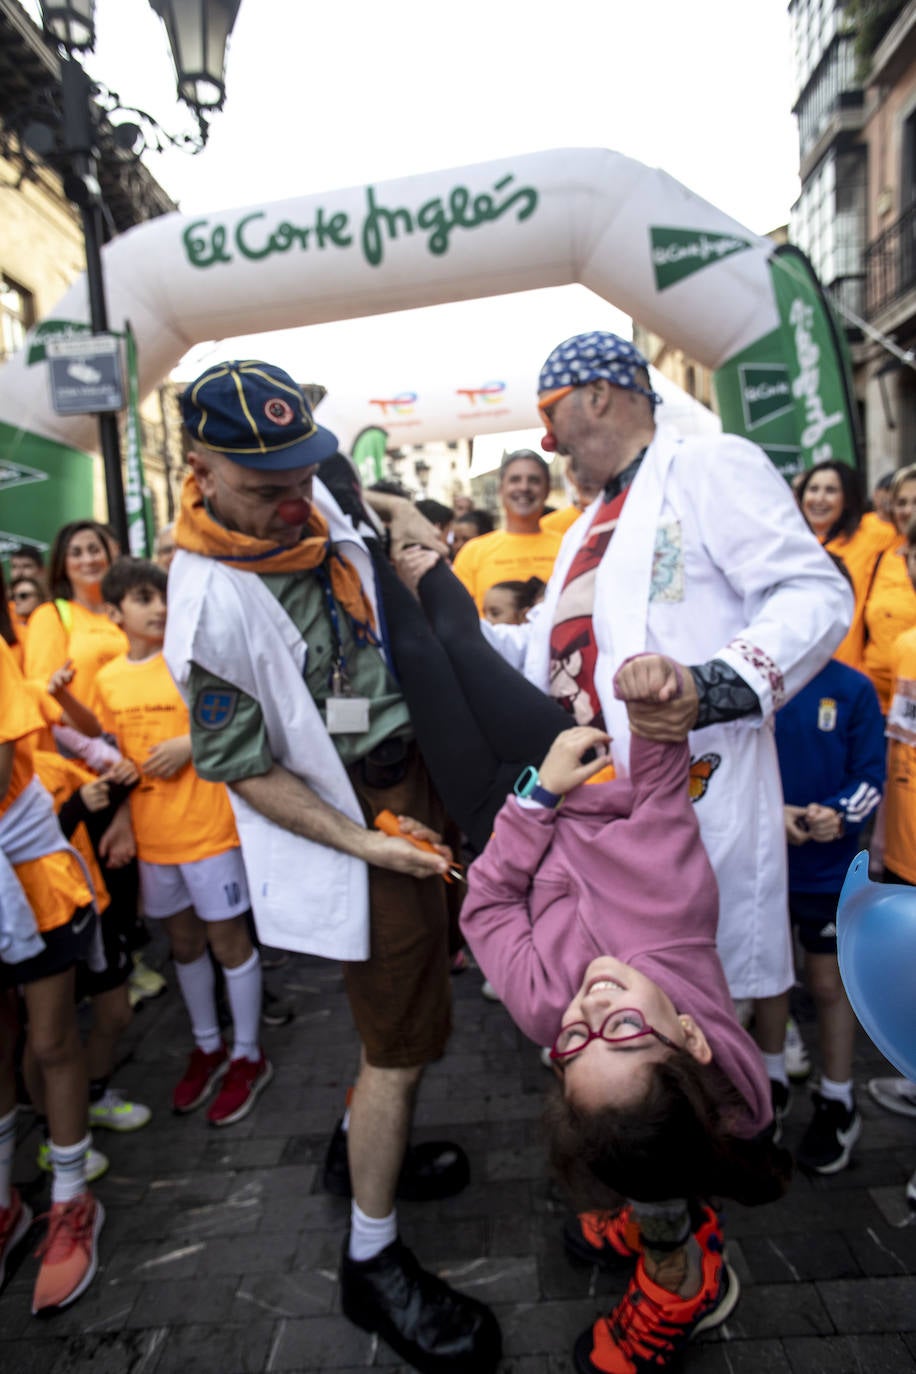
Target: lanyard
column 339, row 677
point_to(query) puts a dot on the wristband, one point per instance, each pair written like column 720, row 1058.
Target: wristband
column 528, row 785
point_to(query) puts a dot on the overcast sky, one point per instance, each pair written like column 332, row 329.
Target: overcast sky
column 329, row 95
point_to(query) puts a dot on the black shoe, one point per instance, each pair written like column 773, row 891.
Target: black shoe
column 827, row 1143
column 274, row 1010
column 426, row 1322
column 433, row 1169
column 779, row 1095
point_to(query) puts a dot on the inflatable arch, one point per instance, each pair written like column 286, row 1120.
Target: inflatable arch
column 635, row 236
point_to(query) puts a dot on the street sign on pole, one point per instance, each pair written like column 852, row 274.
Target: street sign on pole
column 86, row 374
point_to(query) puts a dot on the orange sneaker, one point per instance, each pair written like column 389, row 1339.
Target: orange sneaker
column 608, row 1239
column 68, row 1253
column 651, row 1326
column 15, row 1220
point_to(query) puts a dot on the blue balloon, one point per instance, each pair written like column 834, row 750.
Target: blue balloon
column 876, row 943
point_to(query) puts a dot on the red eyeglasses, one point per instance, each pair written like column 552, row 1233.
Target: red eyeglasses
column 626, row 1023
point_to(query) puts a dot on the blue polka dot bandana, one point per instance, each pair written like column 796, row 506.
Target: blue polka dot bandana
column 590, row 357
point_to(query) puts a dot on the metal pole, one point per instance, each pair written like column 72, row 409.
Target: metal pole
column 83, row 189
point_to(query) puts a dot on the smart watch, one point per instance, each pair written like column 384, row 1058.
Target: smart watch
column 528, row 785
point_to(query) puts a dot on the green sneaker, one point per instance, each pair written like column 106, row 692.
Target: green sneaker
column 115, row 1113
column 96, row 1162
column 143, row 983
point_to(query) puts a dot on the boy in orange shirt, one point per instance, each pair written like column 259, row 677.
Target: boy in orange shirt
column 191, row 872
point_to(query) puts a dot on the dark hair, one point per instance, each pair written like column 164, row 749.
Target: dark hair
column 390, row 487
column 526, row 594
column 481, row 519
column 60, row 582
column 7, row 632
column 840, row 565
column 853, row 501
column 911, row 533
column 529, row 453
column 130, row 575
column 435, row 512
column 28, row 551
column 675, row 1142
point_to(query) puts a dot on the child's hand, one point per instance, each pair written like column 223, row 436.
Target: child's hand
column 166, row 758
column 414, row 563
column 797, row 831
column 123, row 772
column 563, row 769
column 62, row 678
column 95, row 794
column 649, row 677
column 661, row 697
column 824, row 823
column 117, row 846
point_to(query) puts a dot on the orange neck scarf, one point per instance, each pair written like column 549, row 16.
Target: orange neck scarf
column 198, row 532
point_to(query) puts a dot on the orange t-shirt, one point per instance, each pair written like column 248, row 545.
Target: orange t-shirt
column 860, row 553
column 559, row 521
column 55, row 884
column 900, row 792
column 178, row 819
column 889, row 610
column 93, row 640
column 62, row 777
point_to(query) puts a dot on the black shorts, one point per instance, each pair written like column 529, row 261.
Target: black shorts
column 116, row 946
column 65, row 947
column 813, row 914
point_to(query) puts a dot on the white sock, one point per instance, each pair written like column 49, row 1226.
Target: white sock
column 243, row 989
column 370, row 1235
column 345, row 1122
column 837, row 1092
column 197, row 983
column 7, row 1148
column 69, row 1164
column 776, row 1067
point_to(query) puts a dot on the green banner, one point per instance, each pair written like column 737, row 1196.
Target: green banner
column 368, row 454
column 43, row 484
column 791, row 391
column 136, row 498
column 678, row 253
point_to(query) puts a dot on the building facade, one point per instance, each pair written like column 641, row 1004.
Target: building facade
column 855, row 218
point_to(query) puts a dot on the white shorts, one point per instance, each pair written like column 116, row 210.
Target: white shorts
column 215, row 887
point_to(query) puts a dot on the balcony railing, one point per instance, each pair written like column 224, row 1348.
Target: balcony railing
column 890, row 265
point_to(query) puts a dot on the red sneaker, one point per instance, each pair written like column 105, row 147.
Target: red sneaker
column 607, row 1239
column 245, row 1080
column 15, row 1220
column 68, row 1253
column 200, row 1078
column 651, row 1326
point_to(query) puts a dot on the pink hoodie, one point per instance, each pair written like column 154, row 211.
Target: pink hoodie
column 618, row 869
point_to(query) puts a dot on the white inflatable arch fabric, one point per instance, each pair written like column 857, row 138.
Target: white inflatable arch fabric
column 631, row 233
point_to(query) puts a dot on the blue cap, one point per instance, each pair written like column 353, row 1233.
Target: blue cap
column 599, row 355
column 255, row 414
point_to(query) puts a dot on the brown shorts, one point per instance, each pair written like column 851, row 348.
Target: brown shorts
column 400, row 997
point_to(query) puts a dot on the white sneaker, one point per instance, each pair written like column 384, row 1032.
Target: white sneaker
column 911, row 1191
column 798, row 1061
column 894, row 1095
column 96, row 1162
column 489, row 992
column 117, row 1114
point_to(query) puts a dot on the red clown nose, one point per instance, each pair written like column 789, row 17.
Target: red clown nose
column 295, row 511
column 549, row 443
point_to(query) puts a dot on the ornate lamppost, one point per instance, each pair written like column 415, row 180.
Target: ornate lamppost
column 198, row 31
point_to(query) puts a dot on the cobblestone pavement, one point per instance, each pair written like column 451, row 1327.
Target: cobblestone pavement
column 219, row 1253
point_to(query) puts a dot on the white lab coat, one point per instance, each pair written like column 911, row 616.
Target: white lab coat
column 305, row 896
column 712, row 559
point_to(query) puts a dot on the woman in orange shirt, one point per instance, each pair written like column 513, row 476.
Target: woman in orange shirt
column 830, row 496
column 890, row 607
column 74, row 625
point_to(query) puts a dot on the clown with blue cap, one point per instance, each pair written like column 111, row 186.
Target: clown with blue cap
column 695, row 549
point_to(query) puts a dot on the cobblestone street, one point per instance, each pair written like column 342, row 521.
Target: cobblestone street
column 219, row 1253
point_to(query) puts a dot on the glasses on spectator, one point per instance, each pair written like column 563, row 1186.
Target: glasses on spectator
column 26, row 596
column 547, row 403
column 618, row 1027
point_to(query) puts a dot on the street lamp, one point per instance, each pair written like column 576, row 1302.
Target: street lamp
column 198, row 31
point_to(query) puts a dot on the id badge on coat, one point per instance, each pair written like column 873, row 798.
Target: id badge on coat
column 347, row 715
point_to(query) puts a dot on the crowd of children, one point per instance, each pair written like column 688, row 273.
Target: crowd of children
column 102, row 816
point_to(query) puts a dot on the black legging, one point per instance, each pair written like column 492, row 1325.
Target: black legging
column 478, row 722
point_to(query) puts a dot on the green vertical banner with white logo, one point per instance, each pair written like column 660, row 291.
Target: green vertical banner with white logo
column 139, row 522
column 791, row 390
